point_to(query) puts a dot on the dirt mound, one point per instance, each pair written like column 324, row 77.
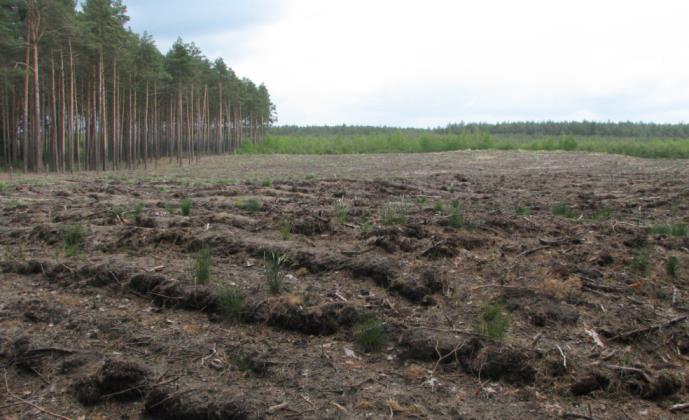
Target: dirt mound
column 116, row 379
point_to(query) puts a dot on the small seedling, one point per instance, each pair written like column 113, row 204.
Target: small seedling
column 421, row 200
column 137, row 210
column 169, row 209
column 253, row 205
column 564, row 210
column 455, row 203
column 266, row 182
column 394, row 214
column 368, row 333
column 601, row 214
column 523, row 211
column 493, row 322
column 456, row 218
column 231, row 303
column 671, row 266
column 185, row 206
column 202, row 266
column 679, row 230
column 660, row 230
column 275, row 263
column 366, row 226
column 451, row 189
column 285, row 229
column 73, row 238
column 310, row 177
column 641, row 262
column 341, row 212
column 3, row 186
column 438, row 207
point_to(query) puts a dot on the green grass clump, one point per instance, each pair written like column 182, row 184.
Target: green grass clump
column 562, row 209
column 492, row 321
column 641, row 262
column 253, row 205
column 341, row 212
column 73, row 237
column 231, row 303
column 394, row 214
column 438, row 207
column 676, row 229
column 368, row 333
column 275, row 263
column 421, row 200
column 672, row 266
column 137, row 210
column 202, row 266
column 285, row 229
column 185, row 206
column 266, row 182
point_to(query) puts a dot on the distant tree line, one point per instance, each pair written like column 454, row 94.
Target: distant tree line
column 80, row 91
column 526, row 128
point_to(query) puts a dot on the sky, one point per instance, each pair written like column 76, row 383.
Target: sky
column 428, row 63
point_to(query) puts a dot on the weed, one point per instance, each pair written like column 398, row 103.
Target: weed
column 341, row 211
column 285, row 229
column 641, row 262
column 202, row 266
column 394, row 214
column 231, row 303
column 266, row 182
column 562, row 209
column 421, row 200
column 73, row 236
column 493, row 322
column 275, row 263
column 671, row 266
column 368, row 333
column 185, row 206
column 438, row 206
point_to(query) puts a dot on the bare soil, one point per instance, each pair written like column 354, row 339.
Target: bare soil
column 121, row 329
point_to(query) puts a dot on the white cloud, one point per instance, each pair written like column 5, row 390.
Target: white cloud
column 403, row 62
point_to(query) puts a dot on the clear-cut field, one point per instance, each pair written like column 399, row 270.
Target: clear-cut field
column 116, row 326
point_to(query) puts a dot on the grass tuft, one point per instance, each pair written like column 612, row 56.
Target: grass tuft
column 275, row 263
column 641, row 262
column 672, row 266
column 562, row 209
column 253, row 205
column 285, row 229
column 73, row 237
column 231, row 303
column 341, row 212
column 394, row 214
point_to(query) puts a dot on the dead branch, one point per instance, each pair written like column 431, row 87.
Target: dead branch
column 658, row 327
column 645, row 376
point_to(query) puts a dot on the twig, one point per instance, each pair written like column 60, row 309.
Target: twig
column 213, row 352
column 679, row 407
column 638, row 371
column 277, row 407
column 564, row 358
column 41, row 409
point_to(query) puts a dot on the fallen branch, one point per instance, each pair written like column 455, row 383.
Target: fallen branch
column 679, row 407
column 645, row 376
column 651, row 328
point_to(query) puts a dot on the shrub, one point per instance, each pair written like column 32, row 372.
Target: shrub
column 394, row 214
column 253, row 205
column 564, row 210
column 671, row 266
column 202, row 265
column 73, row 238
column 185, row 206
column 368, row 333
column 492, row 322
column 231, row 303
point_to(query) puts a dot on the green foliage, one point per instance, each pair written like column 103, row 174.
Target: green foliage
column 679, row 229
column 169, row 209
column 641, row 262
column 366, row 226
column 676, row 229
column 394, row 213
column 602, row 214
column 341, row 211
column 455, row 204
column 421, row 200
column 285, row 229
column 368, row 333
column 266, row 182
column 253, row 205
column 73, row 236
column 562, row 209
column 202, row 265
column 492, row 321
column 438, row 206
column 185, row 206
column 137, row 210
column 231, row 303
column 672, row 266
column 3, row 186
column 275, row 264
